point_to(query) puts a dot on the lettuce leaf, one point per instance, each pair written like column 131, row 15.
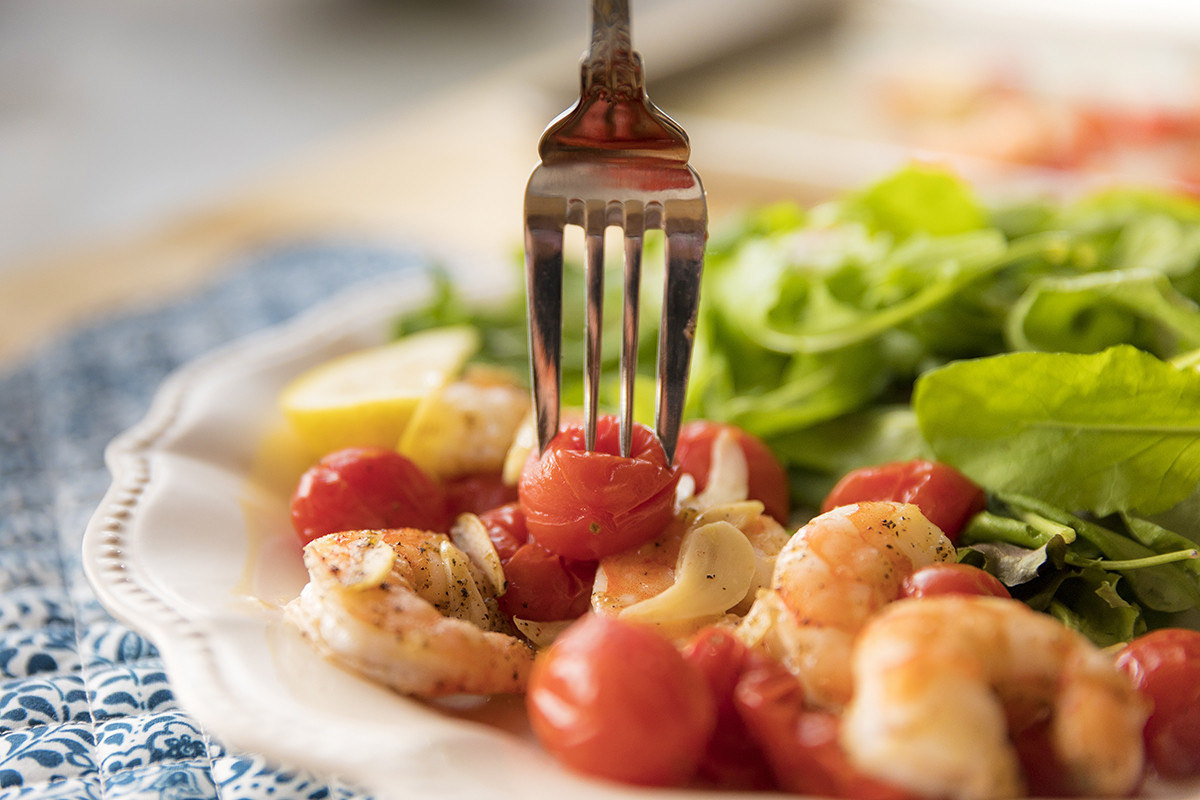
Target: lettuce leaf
column 1116, row 431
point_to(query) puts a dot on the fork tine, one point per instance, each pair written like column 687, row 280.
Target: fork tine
column 634, row 226
column 543, row 276
column 677, row 334
column 594, row 278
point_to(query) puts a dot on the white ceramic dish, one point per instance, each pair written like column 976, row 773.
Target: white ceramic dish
column 192, row 546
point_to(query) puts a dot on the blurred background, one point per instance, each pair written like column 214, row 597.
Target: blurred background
column 122, row 119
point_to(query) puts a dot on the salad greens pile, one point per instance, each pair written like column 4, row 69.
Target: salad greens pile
column 1049, row 350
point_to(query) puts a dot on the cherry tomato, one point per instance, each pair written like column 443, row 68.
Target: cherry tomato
column 586, row 505
column 366, row 488
column 506, row 528
column 544, row 586
column 945, row 496
column 732, row 759
column 952, row 579
column 1165, row 666
column 800, row 745
column 1045, row 773
column 616, row 700
column 477, row 492
column 768, row 481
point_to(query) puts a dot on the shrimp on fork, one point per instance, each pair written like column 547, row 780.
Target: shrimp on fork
column 937, row 679
column 408, row 608
column 829, row 579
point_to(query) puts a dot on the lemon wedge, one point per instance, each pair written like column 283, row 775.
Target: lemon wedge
column 366, row 398
column 467, row 425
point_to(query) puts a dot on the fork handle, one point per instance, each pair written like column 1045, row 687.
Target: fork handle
column 612, row 67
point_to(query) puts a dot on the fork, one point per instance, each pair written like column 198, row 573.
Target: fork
column 613, row 159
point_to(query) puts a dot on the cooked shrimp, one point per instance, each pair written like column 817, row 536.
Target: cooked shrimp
column 408, row 608
column 706, row 565
column 833, row 574
column 936, row 678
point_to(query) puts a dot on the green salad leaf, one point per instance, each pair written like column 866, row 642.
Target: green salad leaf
column 1049, row 349
column 1112, row 431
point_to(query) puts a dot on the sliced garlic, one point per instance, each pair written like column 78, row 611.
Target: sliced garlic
column 541, row 634
column 715, row 569
column 470, row 535
column 371, row 569
column 463, row 599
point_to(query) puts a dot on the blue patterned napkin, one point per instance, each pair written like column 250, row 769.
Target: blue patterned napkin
column 86, row 710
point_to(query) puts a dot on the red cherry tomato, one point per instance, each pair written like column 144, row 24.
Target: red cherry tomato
column 1165, row 667
column 945, row 496
column 586, row 505
column 768, row 481
column 366, row 488
column 732, row 759
column 544, row 586
column 477, row 492
column 800, row 745
column 506, row 528
column 952, row 579
column 616, row 700
column 1046, row 775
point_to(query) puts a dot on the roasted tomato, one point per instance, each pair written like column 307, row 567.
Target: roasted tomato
column 1165, row 666
column 732, row 759
column 585, row 505
column 768, row 481
column 801, row 745
column 544, row 586
column 945, row 496
column 477, row 492
column 366, row 488
column 952, row 579
column 616, row 700
column 506, row 528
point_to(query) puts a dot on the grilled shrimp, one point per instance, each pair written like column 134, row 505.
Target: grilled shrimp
column 936, row 679
column 409, row 609
column 710, row 561
column 829, row 579
column 705, row 565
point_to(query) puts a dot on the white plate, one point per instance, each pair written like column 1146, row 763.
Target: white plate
column 193, row 547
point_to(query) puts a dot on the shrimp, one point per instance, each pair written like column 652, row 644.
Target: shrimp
column 408, row 608
column 829, row 579
column 936, row 678
column 705, row 565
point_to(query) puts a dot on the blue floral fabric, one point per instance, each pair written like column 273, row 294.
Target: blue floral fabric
column 86, row 710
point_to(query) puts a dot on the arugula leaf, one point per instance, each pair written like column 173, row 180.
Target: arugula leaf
column 920, row 198
column 1088, row 313
column 1107, row 432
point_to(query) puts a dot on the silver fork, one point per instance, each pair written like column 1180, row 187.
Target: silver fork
column 613, row 159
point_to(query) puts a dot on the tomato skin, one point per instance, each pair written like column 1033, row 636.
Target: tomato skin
column 732, row 758
column 477, row 492
column 366, row 488
column 615, row 700
column 586, row 505
column 938, row 579
column 1045, row 773
column 800, row 745
column 505, row 525
column 768, row 481
column 945, row 496
column 545, row 587
column 1165, row 667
